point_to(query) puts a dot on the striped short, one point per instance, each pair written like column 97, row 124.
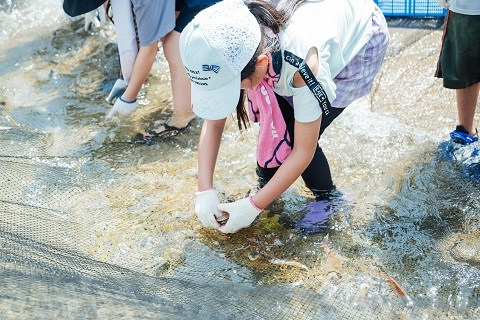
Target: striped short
column 459, row 61
column 356, row 79
column 154, row 19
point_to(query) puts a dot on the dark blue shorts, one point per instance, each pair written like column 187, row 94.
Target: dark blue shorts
column 459, row 61
column 188, row 10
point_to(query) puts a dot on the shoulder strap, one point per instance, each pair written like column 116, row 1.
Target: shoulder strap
column 315, row 87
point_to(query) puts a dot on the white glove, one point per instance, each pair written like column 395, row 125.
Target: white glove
column 95, row 17
column 241, row 214
column 118, row 89
column 109, row 12
column 122, row 108
column 206, row 208
column 444, row 3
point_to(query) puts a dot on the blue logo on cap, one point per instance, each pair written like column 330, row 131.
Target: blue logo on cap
column 210, row 67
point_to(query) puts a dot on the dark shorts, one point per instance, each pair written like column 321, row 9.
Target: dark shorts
column 188, row 10
column 459, row 61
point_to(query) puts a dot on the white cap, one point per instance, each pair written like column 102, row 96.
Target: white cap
column 215, row 47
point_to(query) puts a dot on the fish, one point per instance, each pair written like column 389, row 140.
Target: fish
column 289, row 263
column 324, row 245
column 222, row 218
column 398, row 289
column 333, row 262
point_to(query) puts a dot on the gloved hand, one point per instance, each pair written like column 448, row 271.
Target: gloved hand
column 109, row 11
column 206, row 208
column 444, row 3
column 95, row 17
column 241, row 214
column 122, row 108
column 118, row 89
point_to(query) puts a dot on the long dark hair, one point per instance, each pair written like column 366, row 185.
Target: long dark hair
column 273, row 18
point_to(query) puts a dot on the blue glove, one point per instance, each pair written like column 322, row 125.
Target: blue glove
column 122, row 108
column 118, row 89
column 241, row 214
column 206, row 209
column 95, row 17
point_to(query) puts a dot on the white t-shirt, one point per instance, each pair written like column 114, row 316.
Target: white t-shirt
column 338, row 29
column 468, row 7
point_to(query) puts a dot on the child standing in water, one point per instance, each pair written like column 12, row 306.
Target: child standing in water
column 154, row 20
column 303, row 63
column 185, row 10
column 182, row 107
column 459, row 63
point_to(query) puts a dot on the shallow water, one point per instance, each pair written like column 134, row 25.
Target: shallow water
column 114, row 219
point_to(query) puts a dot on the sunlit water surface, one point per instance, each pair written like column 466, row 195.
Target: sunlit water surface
column 412, row 205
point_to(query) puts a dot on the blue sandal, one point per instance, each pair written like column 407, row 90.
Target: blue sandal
column 461, row 136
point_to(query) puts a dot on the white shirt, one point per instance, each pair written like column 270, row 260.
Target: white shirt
column 338, row 29
column 468, row 7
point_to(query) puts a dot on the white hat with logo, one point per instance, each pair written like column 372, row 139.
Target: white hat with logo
column 215, row 46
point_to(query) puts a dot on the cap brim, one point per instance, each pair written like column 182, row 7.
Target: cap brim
column 217, row 103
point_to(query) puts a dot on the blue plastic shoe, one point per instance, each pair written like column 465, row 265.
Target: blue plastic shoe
column 318, row 212
column 461, row 136
column 464, row 150
column 316, row 217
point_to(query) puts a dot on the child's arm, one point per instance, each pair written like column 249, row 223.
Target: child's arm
column 305, row 143
column 206, row 196
column 243, row 212
column 127, row 103
column 141, row 69
column 208, row 147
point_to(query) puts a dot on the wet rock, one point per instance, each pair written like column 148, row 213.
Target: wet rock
column 467, row 249
column 111, row 49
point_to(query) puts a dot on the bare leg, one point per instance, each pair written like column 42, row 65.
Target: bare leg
column 466, row 104
column 181, row 96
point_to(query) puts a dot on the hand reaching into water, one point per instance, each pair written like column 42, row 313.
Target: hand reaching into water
column 241, row 214
column 122, row 108
column 206, row 208
column 118, row 89
column 95, row 17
